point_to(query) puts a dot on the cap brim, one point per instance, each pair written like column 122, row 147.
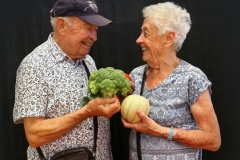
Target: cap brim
column 96, row 20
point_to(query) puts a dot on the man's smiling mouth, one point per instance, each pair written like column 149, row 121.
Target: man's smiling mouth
column 87, row 44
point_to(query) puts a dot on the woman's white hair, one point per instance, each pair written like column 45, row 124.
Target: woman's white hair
column 170, row 17
column 68, row 20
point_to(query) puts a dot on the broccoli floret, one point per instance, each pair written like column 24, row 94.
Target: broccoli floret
column 107, row 82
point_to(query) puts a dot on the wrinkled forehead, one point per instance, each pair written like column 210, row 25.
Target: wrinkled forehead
column 149, row 24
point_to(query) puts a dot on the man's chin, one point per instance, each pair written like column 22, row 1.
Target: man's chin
column 82, row 55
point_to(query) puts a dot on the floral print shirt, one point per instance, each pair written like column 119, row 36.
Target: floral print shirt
column 49, row 84
column 170, row 103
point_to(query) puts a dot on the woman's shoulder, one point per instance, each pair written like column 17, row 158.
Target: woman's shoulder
column 187, row 68
column 194, row 75
column 137, row 73
column 139, row 69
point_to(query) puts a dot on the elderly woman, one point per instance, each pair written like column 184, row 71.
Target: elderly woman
column 182, row 120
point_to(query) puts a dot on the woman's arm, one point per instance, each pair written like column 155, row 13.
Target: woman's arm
column 207, row 136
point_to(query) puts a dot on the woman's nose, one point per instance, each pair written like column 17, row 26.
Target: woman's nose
column 139, row 40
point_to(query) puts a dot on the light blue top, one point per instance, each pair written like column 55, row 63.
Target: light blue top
column 170, row 103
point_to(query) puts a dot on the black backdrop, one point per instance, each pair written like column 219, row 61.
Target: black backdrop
column 212, row 45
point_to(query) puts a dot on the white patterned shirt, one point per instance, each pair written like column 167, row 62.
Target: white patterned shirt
column 49, row 84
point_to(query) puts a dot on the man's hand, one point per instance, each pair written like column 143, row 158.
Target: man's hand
column 96, row 107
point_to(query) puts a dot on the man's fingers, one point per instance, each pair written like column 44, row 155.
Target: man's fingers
column 102, row 101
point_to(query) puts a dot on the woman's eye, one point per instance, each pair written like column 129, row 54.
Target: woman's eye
column 145, row 34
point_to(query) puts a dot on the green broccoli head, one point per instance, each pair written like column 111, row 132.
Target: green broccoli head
column 107, row 82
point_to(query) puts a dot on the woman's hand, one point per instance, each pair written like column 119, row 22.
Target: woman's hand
column 146, row 125
column 132, row 88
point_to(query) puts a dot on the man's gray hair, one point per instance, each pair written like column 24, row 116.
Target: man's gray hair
column 53, row 20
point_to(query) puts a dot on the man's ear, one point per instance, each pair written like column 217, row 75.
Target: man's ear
column 170, row 37
column 61, row 25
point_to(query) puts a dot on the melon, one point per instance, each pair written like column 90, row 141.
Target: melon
column 131, row 104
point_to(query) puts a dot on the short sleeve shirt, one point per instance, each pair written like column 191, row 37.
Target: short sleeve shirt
column 49, row 84
column 170, row 103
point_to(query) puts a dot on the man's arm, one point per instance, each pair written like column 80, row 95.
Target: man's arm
column 40, row 130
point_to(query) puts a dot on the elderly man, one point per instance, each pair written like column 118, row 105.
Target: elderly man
column 52, row 81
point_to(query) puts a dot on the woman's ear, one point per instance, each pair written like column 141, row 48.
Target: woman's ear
column 170, row 37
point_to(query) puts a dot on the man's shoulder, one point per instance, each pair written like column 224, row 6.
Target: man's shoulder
column 90, row 63
column 89, row 58
column 40, row 57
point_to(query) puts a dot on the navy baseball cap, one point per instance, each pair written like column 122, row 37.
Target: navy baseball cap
column 87, row 10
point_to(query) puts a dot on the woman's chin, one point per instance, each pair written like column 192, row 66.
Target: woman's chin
column 145, row 58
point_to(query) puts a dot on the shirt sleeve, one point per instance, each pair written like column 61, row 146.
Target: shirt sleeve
column 30, row 92
column 197, row 84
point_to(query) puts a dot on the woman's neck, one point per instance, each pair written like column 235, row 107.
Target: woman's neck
column 164, row 66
